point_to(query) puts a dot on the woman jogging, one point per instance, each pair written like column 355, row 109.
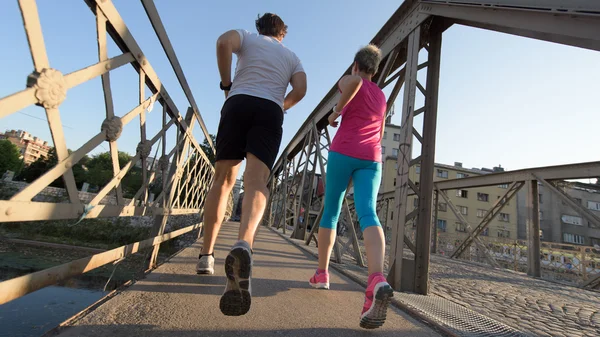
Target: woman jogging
column 356, row 154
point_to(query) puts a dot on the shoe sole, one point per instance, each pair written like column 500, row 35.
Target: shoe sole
column 375, row 317
column 236, row 301
column 319, row 285
column 206, row 271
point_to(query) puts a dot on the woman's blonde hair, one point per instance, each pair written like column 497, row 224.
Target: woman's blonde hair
column 368, row 58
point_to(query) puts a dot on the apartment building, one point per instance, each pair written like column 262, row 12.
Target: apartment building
column 559, row 222
column 31, row 148
column 472, row 203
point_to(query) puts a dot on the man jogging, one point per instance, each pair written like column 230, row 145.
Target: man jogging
column 250, row 127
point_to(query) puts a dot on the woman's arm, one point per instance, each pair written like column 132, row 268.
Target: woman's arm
column 349, row 86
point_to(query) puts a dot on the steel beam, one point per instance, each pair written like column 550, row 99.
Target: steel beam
column 487, row 218
column 404, row 156
column 533, row 229
column 562, row 172
column 161, row 33
column 423, row 238
column 527, row 18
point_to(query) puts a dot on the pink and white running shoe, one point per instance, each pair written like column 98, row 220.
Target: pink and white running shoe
column 377, row 299
column 320, row 280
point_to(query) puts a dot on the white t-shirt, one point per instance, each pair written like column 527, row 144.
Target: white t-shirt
column 264, row 67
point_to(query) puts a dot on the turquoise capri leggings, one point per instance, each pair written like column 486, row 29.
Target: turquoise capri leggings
column 366, row 176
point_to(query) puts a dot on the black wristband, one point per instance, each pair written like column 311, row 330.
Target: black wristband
column 227, row 88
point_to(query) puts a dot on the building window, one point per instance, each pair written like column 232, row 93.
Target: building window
column 483, row 197
column 460, row 227
column 395, row 152
column 541, row 215
column 572, row 220
column 442, row 174
column 573, row 238
column 461, row 175
column 593, row 205
column 540, row 198
column 462, row 193
column 504, row 201
column 394, row 181
column 481, row 213
column 442, row 207
column 463, row 210
column 504, row 217
column 396, row 137
column 418, row 169
column 503, row 233
column 441, row 224
column 392, row 217
column 383, row 150
column 416, row 202
column 485, row 232
column 384, row 134
column 505, row 186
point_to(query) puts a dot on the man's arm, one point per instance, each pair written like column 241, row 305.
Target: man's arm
column 298, row 83
column 349, row 86
column 227, row 44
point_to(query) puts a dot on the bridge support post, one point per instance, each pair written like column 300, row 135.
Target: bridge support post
column 533, row 229
column 404, row 156
column 416, row 274
column 424, row 217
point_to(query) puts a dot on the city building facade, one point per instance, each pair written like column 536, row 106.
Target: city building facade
column 31, row 148
column 559, row 222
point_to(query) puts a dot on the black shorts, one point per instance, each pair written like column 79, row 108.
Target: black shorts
column 250, row 124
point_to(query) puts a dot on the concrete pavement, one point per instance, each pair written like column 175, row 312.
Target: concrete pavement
column 173, row 300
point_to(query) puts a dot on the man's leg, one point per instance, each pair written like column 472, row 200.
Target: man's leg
column 216, row 201
column 214, row 211
column 237, row 298
column 256, row 195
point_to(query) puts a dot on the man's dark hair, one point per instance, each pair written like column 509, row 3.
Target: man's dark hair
column 270, row 25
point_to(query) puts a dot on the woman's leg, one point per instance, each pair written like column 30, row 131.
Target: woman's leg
column 366, row 187
column 379, row 293
column 339, row 171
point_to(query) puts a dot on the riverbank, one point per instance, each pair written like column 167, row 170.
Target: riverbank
column 28, row 247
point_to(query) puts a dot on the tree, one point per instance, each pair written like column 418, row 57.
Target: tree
column 43, row 165
column 100, row 172
column 10, row 158
column 208, row 150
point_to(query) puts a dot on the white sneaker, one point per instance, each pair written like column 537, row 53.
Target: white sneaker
column 237, row 297
column 206, row 265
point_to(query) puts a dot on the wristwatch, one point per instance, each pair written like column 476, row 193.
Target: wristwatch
column 225, row 88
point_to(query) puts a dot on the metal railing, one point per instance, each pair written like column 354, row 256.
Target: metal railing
column 185, row 171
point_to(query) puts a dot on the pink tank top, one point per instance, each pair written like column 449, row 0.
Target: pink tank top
column 359, row 134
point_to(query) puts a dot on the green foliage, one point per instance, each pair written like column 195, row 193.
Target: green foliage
column 43, row 165
column 10, row 158
column 207, row 150
column 100, row 172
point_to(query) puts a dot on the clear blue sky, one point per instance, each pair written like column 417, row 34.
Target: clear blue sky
column 503, row 99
